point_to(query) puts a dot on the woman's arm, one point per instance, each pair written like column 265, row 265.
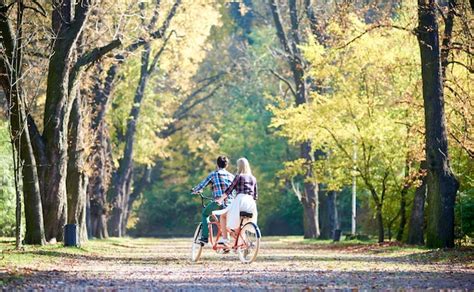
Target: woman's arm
column 255, row 191
column 232, row 186
column 229, row 189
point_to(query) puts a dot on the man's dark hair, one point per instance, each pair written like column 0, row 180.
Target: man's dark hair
column 222, row 161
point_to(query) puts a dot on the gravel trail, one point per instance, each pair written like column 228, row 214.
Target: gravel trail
column 282, row 264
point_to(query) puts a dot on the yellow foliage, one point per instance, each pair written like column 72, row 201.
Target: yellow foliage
column 366, row 99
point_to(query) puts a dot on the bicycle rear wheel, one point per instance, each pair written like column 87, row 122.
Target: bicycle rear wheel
column 197, row 246
column 249, row 241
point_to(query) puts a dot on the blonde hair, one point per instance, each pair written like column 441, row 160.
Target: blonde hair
column 243, row 166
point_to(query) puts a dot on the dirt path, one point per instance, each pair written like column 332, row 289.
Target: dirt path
column 290, row 263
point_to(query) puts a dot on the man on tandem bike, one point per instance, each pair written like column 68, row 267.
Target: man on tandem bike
column 219, row 179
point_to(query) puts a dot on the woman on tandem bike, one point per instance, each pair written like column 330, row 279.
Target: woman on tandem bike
column 240, row 218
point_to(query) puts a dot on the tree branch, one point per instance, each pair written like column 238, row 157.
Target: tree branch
column 158, row 34
column 89, row 58
column 157, row 56
column 6, row 31
column 468, row 151
column 210, row 80
column 471, row 70
column 296, row 189
column 156, row 14
column 447, row 36
column 279, row 27
column 81, row 11
column 294, row 27
column 182, row 113
column 377, row 26
column 313, row 22
column 97, row 53
column 285, row 81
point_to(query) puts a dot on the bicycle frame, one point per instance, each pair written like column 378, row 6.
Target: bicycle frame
column 214, row 221
column 236, row 235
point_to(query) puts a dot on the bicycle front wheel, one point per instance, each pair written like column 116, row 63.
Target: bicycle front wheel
column 197, row 246
column 249, row 243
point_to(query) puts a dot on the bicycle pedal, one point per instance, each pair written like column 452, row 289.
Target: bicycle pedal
column 226, row 251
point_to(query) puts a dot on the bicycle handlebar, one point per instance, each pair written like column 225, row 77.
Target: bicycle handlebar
column 202, row 197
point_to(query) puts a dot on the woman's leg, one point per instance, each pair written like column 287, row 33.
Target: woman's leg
column 223, row 222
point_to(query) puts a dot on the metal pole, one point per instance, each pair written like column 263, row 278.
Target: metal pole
column 354, row 189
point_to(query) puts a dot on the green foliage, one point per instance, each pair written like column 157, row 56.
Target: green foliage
column 233, row 122
column 7, row 187
column 167, row 210
column 465, row 214
column 364, row 101
column 167, row 207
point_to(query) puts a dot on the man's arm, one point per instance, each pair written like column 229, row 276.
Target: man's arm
column 203, row 184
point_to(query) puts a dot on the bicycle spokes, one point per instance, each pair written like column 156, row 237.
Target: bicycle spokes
column 250, row 238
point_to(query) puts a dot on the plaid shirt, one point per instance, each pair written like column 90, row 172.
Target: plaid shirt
column 220, row 180
column 244, row 184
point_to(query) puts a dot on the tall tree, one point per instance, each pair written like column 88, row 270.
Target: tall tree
column 122, row 179
column 295, row 60
column 101, row 156
column 48, row 176
column 441, row 183
column 10, row 79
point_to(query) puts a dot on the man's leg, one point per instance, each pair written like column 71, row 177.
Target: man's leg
column 205, row 213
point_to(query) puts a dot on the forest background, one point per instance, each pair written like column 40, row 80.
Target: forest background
column 156, row 109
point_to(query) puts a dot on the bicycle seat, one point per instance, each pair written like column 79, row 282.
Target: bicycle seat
column 246, row 215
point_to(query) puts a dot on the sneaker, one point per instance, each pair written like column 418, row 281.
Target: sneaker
column 203, row 240
column 223, row 241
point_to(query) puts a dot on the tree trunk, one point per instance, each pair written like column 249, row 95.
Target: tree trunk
column 55, row 134
column 327, row 213
column 99, row 182
column 127, row 202
column 379, row 219
column 332, row 211
column 403, row 201
column 441, row 183
column 35, row 232
column 98, row 218
column 417, row 219
column 77, row 179
column 121, row 181
column 325, row 229
column 100, row 157
column 378, row 200
column 67, row 25
column 403, row 215
column 138, row 188
column 310, row 222
column 310, row 198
